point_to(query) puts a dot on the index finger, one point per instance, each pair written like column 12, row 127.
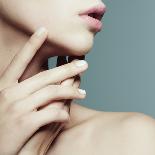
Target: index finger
column 23, row 57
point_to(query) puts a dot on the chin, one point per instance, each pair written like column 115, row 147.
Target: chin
column 78, row 46
column 73, row 45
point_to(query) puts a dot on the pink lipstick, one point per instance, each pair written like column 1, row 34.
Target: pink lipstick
column 93, row 17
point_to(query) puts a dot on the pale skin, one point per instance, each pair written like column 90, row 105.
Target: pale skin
column 32, row 96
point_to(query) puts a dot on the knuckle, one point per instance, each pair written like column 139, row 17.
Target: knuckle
column 4, row 95
column 55, row 112
column 71, row 91
column 8, row 95
column 2, row 82
column 32, row 122
column 27, row 122
column 22, row 122
column 52, row 89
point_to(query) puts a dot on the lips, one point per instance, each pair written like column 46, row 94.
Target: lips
column 96, row 12
column 93, row 16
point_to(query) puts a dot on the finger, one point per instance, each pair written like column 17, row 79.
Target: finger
column 74, row 81
column 47, row 116
column 41, row 80
column 54, row 104
column 52, row 76
column 77, row 81
column 61, row 60
column 25, row 88
column 47, row 95
column 23, row 58
column 72, row 58
column 67, row 103
column 46, row 136
column 69, row 81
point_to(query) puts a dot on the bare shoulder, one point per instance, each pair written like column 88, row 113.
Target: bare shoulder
column 140, row 126
column 129, row 120
column 133, row 130
column 108, row 133
column 141, row 132
column 139, row 121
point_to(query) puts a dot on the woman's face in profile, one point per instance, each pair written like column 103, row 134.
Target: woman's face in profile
column 60, row 17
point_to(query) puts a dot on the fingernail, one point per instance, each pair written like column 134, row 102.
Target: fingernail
column 80, row 63
column 41, row 31
column 83, row 92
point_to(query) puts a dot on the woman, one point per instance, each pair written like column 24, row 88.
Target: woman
column 33, row 98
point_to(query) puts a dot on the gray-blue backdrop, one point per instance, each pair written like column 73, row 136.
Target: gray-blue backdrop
column 121, row 74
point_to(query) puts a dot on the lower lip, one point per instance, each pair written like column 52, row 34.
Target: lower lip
column 92, row 22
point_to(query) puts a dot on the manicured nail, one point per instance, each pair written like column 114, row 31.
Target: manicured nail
column 83, row 92
column 41, row 31
column 80, row 63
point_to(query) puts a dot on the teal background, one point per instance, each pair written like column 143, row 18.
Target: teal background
column 121, row 74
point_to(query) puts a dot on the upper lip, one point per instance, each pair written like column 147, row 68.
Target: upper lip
column 95, row 12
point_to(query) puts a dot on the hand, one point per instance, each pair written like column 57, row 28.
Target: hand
column 44, row 137
column 21, row 114
column 58, row 127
